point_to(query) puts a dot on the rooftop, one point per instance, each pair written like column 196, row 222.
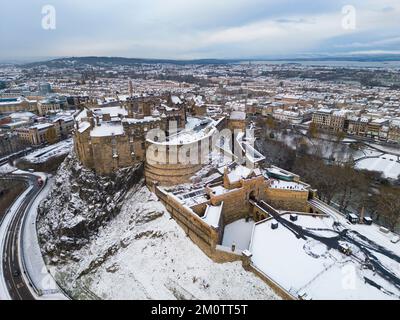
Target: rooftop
column 238, row 115
column 107, row 129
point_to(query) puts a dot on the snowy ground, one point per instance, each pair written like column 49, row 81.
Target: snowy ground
column 144, row 254
column 7, row 168
column 366, row 152
column 55, row 150
column 388, row 164
column 238, row 232
column 307, row 265
column 391, row 150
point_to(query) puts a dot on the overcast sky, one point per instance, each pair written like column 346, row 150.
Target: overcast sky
column 186, row 29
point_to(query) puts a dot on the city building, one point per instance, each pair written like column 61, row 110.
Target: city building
column 9, row 105
column 37, row 134
column 52, row 105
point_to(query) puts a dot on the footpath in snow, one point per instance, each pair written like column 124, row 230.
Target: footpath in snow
column 34, row 263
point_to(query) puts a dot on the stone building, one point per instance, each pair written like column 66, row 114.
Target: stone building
column 178, row 158
column 322, row 118
column 35, row 135
column 375, row 127
column 9, row 143
column 63, row 125
column 337, row 121
column 237, row 121
column 109, row 138
column 10, row 105
column 356, row 125
column 394, row 133
column 52, row 104
column 104, row 144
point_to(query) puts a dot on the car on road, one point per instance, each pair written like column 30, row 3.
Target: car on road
column 16, row 273
column 345, row 249
column 40, row 182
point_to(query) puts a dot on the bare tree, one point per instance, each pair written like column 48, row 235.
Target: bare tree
column 389, row 205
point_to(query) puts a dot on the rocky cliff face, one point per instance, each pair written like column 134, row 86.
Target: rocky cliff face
column 79, row 203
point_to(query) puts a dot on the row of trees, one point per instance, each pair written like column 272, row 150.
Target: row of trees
column 385, row 206
column 340, row 182
column 352, row 189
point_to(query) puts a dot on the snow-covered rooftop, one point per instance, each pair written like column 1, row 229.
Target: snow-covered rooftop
column 212, row 215
column 195, row 130
column 238, row 115
column 107, row 129
column 144, row 120
column 238, row 173
column 42, row 126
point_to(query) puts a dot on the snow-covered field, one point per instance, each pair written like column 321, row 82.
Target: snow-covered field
column 387, row 164
column 366, row 153
column 143, row 254
column 395, row 150
column 42, row 155
column 308, row 265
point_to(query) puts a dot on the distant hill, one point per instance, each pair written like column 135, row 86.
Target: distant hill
column 357, row 58
column 101, row 61
column 97, row 61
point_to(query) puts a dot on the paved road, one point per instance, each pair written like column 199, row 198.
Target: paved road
column 12, row 270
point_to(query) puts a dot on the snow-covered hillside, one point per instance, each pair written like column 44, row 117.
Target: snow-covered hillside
column 144, row 254
column 140, row 253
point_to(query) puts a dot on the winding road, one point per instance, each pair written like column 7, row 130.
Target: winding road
column 13, row 271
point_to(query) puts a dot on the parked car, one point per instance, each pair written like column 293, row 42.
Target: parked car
column 353, row 218
column 344, row 248
column 395, row 239
column 367, row 221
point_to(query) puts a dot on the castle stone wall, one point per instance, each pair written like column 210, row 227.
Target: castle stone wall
column 291, row 200
column 196, row 229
